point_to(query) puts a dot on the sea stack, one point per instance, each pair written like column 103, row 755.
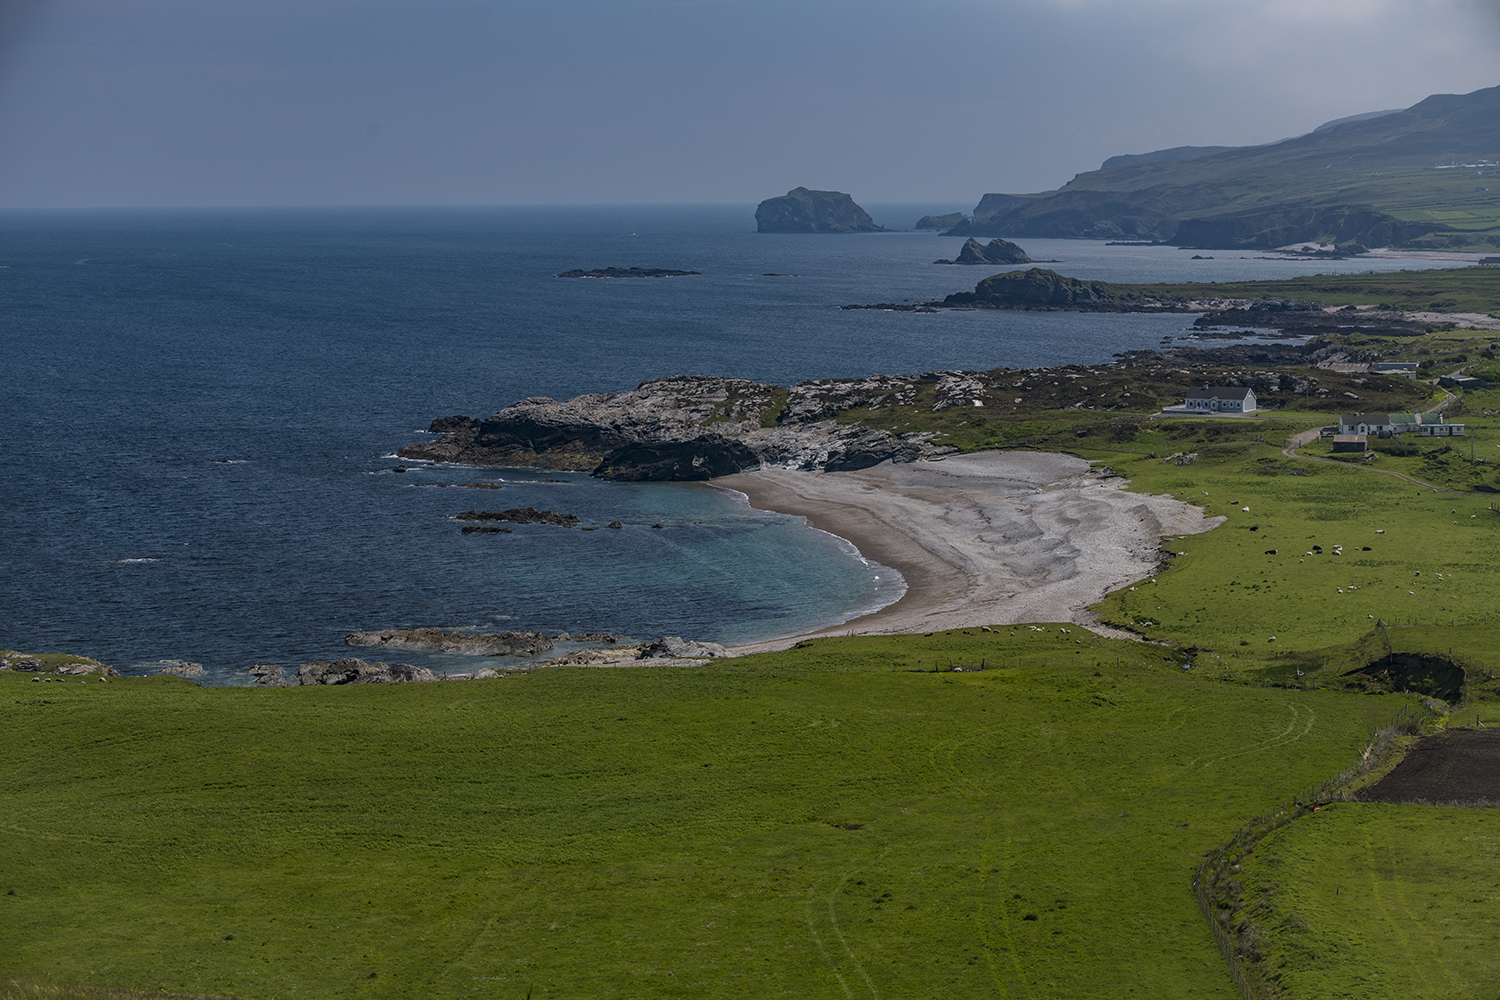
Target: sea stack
column 804, row 211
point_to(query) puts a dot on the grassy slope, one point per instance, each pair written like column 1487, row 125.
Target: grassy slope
column 833, row 828
column 1463, row 289
column 1379, row 901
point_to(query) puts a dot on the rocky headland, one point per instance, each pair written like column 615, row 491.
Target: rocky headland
column 804, row 211
column 939, row 221
column 692, row 427
column 995, row 252
column 626, row 272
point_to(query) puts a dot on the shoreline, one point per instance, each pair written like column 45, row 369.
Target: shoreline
column 992, row 538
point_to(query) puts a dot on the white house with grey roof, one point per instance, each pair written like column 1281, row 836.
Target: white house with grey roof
column 1217, row 399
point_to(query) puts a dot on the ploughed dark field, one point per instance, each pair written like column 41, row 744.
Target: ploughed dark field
column 1457, row 768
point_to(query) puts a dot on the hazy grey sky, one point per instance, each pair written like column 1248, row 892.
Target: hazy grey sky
column 369, row 102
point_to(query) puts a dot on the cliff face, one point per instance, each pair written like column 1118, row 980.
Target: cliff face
column 1353, row 181
column 939, row 221
column 689, row 427
column 804, row 211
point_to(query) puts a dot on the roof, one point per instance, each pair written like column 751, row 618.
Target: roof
column 1218, row 392
column 1405, row 418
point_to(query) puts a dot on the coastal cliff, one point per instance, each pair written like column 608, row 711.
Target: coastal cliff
column 692, row 427
column 804, row 211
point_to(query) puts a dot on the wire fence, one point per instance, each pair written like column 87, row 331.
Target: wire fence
column 1212, row 873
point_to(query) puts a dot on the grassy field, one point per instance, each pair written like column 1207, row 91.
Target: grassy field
column 837, row 826
column 840, row 820
column 1379, row 901
column 1460, row 289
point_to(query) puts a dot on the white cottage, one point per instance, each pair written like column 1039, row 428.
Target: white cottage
column 1220, row 399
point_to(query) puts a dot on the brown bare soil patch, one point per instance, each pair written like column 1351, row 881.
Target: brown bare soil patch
column 1456, row 768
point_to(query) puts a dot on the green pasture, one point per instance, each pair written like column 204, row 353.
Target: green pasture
column 1378, row 901
column 1457, row 289
column 828, row 822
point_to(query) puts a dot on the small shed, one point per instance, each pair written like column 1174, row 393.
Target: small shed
column 1351, row 442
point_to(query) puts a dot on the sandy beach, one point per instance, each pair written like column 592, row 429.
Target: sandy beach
column 984, row 539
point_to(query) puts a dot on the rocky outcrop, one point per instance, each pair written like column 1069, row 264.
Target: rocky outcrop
column 68, row 666
column 804, row 211
column 182, row 668
column 1039, row 288
column 268, row 675
column 352, row 671
column 519, row 515
column 995, row 252
column 626, row 272
column 465, row 643
column 939, row 221
column 673, row 647
column 687, row 427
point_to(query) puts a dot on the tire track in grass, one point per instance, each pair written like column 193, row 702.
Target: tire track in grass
column 833, row 919
column 1287, row 735
column 1010, row 982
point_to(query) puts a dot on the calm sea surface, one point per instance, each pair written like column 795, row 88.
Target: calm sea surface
column 199, row 412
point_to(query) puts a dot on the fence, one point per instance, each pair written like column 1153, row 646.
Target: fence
column 1227, row 858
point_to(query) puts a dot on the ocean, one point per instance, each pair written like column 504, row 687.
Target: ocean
column 201, row 410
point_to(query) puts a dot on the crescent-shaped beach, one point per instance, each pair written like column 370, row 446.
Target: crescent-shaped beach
column 991, row 538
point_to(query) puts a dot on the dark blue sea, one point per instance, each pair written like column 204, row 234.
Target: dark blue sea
column 200, row 409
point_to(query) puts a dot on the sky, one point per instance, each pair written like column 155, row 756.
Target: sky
column 146, row 103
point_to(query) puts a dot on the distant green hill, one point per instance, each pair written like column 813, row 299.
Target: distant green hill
column 1420, row 178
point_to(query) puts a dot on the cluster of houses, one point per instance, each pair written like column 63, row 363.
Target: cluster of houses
column 1354, row 430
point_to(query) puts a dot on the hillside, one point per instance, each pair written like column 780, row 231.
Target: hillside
column 1418, row 178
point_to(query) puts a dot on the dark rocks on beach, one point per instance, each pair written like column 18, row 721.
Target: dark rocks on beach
column 268, row 675
column 675, row 648
column 804, row 211
column 352, row 671
column 684, row 428
column 519, row 515
column 465, row 643
column 626, row 272
column 995, row 252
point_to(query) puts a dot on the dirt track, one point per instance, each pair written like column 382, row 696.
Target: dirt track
column 1458, row 768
